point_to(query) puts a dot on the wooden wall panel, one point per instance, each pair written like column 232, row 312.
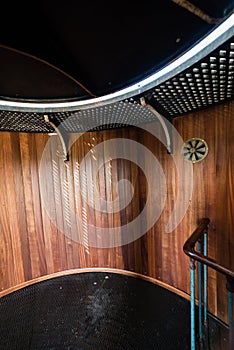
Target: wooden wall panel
column 33, row 243
column 213, row 191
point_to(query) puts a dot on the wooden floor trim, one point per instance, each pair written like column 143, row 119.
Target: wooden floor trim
column 87, row 270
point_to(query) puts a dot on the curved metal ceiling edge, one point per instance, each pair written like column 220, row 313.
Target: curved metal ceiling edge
column 214, row 39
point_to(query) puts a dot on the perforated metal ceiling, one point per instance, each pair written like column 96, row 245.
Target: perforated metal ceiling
column 111, row 116
column 208, row 82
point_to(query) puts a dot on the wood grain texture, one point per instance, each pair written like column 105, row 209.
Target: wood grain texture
column 213, row 192
column 50, row 211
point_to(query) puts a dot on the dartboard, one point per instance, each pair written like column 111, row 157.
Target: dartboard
column 194, row 150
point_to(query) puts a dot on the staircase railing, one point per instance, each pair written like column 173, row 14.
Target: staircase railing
column 199, row 240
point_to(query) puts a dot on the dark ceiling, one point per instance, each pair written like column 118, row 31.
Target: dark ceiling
column 55, row 52
column 102, row 47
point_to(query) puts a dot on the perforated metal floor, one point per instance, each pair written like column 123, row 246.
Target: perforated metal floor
column 96, row 310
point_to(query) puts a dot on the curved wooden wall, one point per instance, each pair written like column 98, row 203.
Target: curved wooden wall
column 39, row 195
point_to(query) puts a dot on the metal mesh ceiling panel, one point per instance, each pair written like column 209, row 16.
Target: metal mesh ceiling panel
column 23, row 122
column 112, row 116
column 206, row 83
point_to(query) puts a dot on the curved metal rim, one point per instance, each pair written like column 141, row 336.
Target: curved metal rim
column 214, row 39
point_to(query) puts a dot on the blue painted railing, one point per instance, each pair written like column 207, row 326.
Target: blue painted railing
column 199, row 239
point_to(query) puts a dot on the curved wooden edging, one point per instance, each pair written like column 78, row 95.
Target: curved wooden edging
column 87, row 270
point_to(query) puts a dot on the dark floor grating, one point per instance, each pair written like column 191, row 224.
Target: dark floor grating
column 95, row 310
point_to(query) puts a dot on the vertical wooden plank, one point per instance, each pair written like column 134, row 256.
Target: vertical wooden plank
column 11, row 227
column 28, row 198
column 6, row 256
column 22, row 220
column 36, row 202
column 47, row 227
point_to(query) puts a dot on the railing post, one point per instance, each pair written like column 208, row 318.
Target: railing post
column 192, row 303
column 189, row 249
column 205, row 285
column 205, row 277
column 199, row 272
column 230, row 288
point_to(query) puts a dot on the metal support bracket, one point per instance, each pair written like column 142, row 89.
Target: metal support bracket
column 162, row 122
column 61, row 132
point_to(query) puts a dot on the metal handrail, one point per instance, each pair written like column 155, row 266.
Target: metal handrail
column 189, row 249
column 198, row 237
